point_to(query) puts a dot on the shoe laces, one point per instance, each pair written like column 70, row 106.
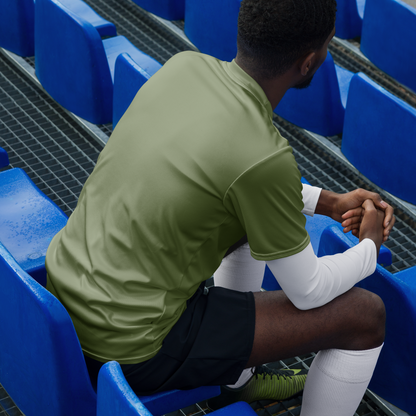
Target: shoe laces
column 263, row 370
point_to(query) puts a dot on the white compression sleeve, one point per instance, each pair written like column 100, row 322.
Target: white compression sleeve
column 239, row 271
column 310, row 282
column 310, row 196
column 337, row 381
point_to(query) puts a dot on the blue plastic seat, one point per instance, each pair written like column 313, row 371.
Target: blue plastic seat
column 168, row 9
column 388, row 38
column 28, row 220
column 17, row 18
column 349, row 19
column 129, row 77
column 73, row 63
column 378, row 137
column 212, row 26
column 115, row 397
column 315, row 226
column 41, row 363
column 393, row 378
column 319, row 108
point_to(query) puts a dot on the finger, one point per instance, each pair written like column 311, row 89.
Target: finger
column 356, row 212
column 368, row 205
column 352, row 221
column 389, row 217
column 354, row 228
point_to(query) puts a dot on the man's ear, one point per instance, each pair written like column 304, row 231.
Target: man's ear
column 306, row 63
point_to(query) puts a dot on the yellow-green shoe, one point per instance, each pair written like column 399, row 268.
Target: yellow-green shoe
column 266, row 384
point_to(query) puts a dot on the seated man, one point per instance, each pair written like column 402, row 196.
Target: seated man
column 194, row 165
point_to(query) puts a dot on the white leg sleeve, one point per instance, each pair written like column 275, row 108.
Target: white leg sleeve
column 337, row 381
column 239, row 271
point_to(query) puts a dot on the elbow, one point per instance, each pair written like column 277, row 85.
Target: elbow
column 303, row 304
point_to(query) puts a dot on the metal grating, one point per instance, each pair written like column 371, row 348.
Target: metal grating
column 136, row 25
column 7, row 406
column 41, row 138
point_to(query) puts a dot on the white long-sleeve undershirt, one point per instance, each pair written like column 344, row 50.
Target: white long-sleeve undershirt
column 310, row 196
column 310, row 281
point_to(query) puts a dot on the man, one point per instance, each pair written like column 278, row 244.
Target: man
column 193, row 166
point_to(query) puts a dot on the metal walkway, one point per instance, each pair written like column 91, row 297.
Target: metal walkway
column 58, row 153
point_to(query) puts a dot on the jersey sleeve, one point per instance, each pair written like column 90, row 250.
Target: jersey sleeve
column 267, row 200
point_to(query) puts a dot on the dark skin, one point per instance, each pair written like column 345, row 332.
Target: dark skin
column 354, row 320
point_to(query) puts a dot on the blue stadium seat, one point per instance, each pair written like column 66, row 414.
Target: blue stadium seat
column 378, row 137
column 315, row 226
column 168, row 9
column 41, row 363
column 128, row 79
column 349, row 19
column 17, row 19
column 319, row 108
column 212, row 26
column 28, row 221
column 73, row 63
column 388, row 38
column 115, row 397
column 393, row 378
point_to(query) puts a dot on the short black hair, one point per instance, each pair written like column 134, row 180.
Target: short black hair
column 273, row 34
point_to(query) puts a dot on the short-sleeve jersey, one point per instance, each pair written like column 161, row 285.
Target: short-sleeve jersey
column 193, row 165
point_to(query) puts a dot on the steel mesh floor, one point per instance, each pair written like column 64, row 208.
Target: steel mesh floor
column 59, row 155
column 42, row 139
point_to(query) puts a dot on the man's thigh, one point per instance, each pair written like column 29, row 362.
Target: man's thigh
column 354, row 321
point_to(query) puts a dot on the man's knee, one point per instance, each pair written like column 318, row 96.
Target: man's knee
column 371, row 315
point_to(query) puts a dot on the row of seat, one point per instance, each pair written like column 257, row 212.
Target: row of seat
column 97, row 79
column 75, row 54
column 387, row 29
column 40, row 335
column 388, row 33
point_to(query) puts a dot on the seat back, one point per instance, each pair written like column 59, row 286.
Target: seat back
column 28, row 221
column 71, row 62
column 393, row 377
column 115, row 397
column 318, row 108
column 212, row 26
column 388, row 38
column 4, row 158
column 41, row 363
column 349, row 18
column 168, row 9
column 17, row 31
column 129, row 77
column 378, row 137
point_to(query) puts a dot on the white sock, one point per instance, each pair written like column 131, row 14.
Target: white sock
column 337, row 381
column 239, row 271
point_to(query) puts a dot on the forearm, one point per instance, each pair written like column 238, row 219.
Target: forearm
column 327, row 203
column 310, row 282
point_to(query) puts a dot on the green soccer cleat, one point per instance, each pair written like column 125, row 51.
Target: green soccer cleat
column 266, row 384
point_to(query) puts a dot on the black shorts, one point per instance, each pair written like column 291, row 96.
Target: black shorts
column 209, row 345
